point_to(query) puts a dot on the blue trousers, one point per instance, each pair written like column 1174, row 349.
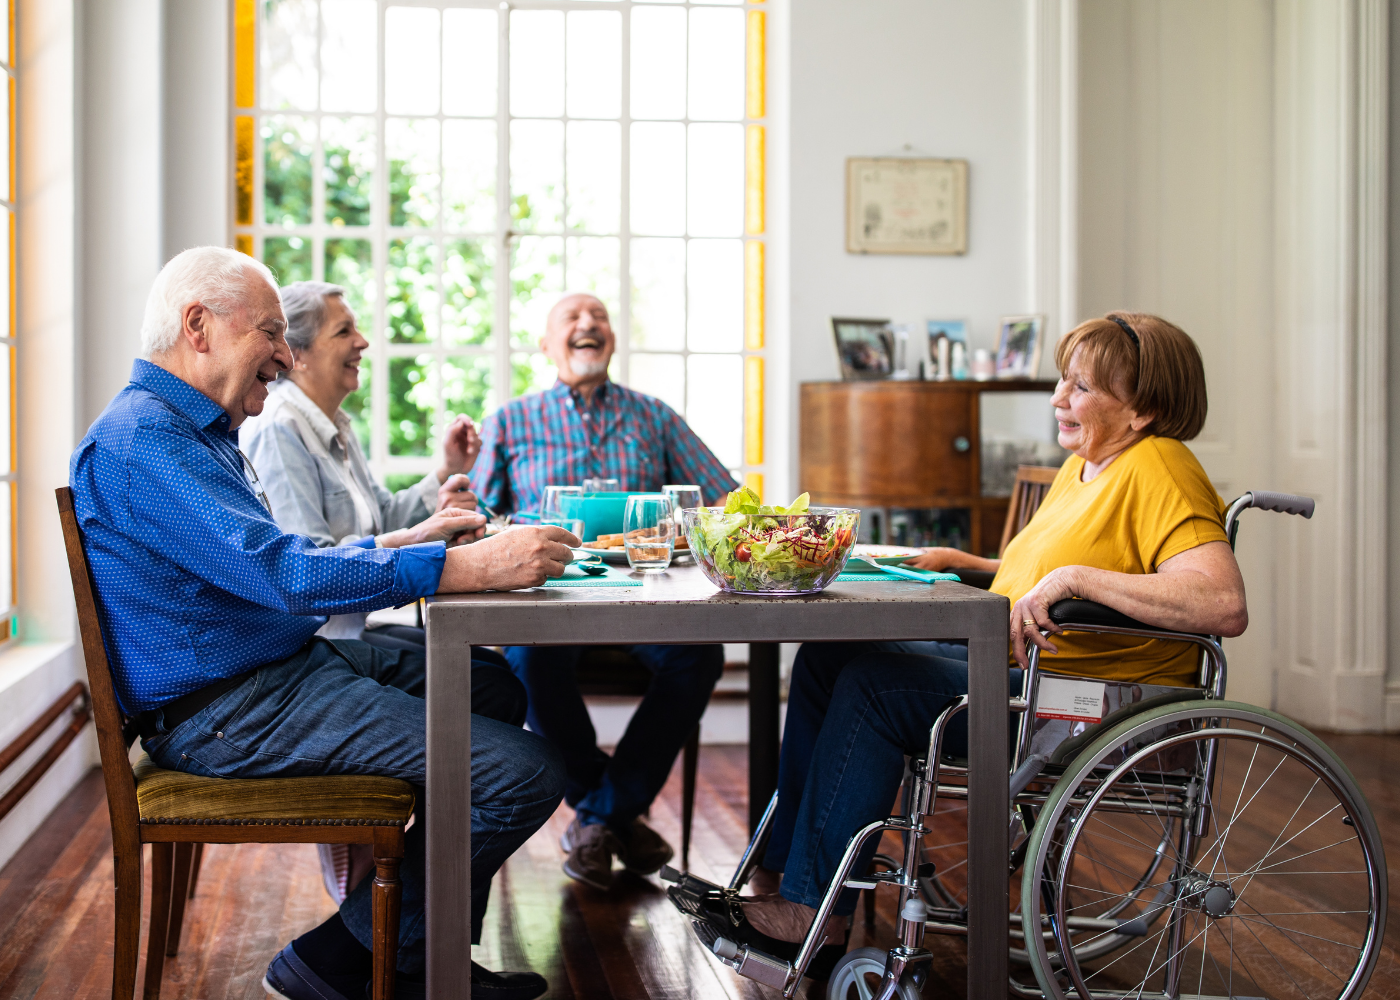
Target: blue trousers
column 346, row 707
column 616, row 790
column 854, row 711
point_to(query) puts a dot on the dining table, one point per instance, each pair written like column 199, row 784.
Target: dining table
column 680, row 605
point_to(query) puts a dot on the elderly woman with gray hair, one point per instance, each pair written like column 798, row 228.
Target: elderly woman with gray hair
column 310, row 462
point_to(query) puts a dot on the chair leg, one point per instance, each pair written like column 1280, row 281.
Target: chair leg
column 385, row 897
column 162, row 865
column 179, row 892
column 194, row 867
column 689, row 760
column 127, row 940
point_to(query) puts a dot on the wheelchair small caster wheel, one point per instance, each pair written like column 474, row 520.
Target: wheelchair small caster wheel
column 859, row 974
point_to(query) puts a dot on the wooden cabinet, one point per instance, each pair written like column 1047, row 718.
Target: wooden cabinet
column 901, row 445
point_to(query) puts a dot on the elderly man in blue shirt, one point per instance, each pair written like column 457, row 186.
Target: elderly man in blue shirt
column 588, row 426
column 209, row 613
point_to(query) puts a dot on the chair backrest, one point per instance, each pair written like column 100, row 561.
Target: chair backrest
column 1032, row 483
column 116, row 765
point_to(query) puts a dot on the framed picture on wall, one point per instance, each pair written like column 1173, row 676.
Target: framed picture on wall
column 865, row 347
column 1018, row 347
column 898, row 204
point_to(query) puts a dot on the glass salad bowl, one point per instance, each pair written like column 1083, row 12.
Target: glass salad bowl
column 771, row 554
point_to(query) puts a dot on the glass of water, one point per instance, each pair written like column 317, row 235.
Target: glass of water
column 552, row 509
column 681, row 498
column 649, row 531
column 602, row 486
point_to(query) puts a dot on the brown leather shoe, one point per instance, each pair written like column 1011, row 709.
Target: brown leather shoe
column 643, row 851
column 591, row 849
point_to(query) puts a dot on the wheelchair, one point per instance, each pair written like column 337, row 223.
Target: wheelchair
column 1178, row 846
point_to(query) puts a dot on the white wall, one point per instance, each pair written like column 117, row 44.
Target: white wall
column 1176, row 218
column 938, row 78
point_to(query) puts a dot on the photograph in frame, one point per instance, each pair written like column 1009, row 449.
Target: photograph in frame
column 865, row 348
column 1018, row 347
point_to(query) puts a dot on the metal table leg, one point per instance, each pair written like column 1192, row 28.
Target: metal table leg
column 449, row 879
column 763, row 728
column 988, row 812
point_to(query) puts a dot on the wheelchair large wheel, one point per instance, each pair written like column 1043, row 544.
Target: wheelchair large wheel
column 1274, row 883
column 859, row 975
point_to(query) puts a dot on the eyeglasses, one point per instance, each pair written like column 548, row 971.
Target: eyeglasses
column 255, row 482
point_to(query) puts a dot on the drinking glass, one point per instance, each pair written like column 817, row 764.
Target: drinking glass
column 648, row 531
column 681, row 498
column 552, row 510
column 602, row 486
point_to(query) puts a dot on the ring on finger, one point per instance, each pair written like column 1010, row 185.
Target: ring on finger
column 1028, row 621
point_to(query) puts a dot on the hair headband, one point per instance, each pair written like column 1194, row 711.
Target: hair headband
column 1132, row 334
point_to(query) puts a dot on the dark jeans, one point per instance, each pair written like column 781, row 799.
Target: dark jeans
column 854, row 711
column 617, row 789
column 346, row 707
column 496, row 693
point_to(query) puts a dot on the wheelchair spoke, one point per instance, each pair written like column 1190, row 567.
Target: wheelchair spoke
column 1281, row 966
column 1299, row 945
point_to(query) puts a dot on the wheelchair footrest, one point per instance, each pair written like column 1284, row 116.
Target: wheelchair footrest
column 746, row 961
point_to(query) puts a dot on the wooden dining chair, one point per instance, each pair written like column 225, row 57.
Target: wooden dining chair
column 1032, row 483
column 177, row 813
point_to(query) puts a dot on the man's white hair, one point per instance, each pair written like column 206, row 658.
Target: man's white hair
column 216, row 277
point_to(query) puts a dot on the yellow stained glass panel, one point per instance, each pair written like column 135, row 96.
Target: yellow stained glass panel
column 243, row 169
column 754, row 173
column 753, row 411
column 754, row 481
column 245, row 19
column 754, row 269
column 756, row 84
column 243, row 243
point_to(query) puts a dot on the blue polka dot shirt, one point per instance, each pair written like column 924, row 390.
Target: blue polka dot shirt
column 195, row 581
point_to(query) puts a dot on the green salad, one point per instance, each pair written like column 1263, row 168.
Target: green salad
column 749, row 546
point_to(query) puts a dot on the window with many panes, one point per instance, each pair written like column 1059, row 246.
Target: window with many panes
column 457, row 166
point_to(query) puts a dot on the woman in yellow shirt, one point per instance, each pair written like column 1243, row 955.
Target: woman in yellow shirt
column 1131, row 521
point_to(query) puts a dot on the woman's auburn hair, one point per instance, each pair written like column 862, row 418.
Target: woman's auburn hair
column 1164, row 377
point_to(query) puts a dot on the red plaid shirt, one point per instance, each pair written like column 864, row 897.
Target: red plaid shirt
column 554, row 437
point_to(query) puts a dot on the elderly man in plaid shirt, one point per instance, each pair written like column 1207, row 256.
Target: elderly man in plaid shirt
column 588, row 426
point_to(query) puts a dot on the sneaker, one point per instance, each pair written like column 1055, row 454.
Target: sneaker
column 289, row 978
column 591, row 850
column 642, row 850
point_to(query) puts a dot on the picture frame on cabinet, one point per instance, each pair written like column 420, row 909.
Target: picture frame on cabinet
column 1019, row 347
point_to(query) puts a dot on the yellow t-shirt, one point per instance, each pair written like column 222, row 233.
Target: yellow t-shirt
column 1151, row 503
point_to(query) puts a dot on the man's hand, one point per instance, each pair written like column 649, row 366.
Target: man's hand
column 454, row 493
column 515, row 558
column 451, row 525
column 460, row 446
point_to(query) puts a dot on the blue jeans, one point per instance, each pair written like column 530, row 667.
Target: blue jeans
column 854, row 711
column 346, row 707
column 616, row 790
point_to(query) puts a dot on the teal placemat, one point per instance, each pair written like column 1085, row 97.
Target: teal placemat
column 873, row 577
column 615, row 578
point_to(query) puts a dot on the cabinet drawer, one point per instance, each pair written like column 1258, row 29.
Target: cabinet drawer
column 886, row 443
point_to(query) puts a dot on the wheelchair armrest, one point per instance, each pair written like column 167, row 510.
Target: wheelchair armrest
column 979, row 578
column 1092, row 615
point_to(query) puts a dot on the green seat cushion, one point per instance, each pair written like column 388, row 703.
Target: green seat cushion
column 336, row 800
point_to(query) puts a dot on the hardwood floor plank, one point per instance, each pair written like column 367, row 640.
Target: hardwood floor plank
column 56, row 904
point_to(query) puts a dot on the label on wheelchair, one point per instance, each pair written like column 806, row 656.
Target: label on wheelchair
column 1072, row 700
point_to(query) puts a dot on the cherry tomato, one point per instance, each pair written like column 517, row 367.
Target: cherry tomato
column 741, row 552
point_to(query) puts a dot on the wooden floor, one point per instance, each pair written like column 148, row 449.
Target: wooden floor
column 56, row 905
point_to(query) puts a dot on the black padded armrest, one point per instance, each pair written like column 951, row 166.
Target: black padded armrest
column 1077, row 612
column 978, row 578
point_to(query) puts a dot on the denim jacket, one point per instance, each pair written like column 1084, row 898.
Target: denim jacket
column 311, row 468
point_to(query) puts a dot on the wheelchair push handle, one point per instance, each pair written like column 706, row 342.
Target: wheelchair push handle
column 1284, row 503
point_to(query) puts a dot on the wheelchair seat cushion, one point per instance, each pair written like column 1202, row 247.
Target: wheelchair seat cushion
column 334, row 800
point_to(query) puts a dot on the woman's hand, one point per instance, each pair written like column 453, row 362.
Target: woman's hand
column 942, row 559
column 451, row 525
column 454, row 493
column 460, row 446
column 1035, row 608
